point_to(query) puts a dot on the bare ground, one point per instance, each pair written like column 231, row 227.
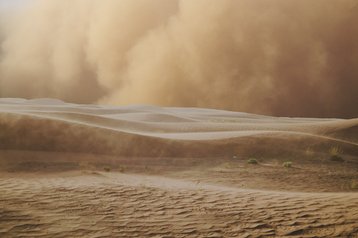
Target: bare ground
column 89, row 171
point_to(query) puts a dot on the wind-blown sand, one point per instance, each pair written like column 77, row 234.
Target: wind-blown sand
column 71, row 170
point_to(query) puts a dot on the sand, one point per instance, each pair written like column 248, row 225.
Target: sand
column 70, row 170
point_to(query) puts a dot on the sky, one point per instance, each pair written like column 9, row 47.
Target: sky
column 5, row 4
column 277, row 57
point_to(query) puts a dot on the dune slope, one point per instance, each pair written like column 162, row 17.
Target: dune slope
column 165, row 132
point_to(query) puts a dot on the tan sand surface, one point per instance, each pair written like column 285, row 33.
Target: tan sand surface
column 69, row 170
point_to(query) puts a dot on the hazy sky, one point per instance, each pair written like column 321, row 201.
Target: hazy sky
column 278, row 57
column 12, row 3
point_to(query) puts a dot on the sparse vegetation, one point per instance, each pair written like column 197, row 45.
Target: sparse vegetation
column 287, row 164
column 354, row 184
column 122, row 169
column 309, row 152
column 252, row 161
column 334, row 150
column 335, row 153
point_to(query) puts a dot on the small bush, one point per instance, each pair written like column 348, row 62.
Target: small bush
column 287, row 164
column 121, row 169
column 335, row 153
column 334, row 150
column 354, row 184
column 309, row 152
column 252, row 161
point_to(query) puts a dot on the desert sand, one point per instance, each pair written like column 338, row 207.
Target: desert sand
column 71, row 170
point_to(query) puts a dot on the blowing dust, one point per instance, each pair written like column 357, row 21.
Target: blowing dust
column 278, row 57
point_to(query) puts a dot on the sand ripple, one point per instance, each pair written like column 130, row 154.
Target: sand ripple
column 118, row 205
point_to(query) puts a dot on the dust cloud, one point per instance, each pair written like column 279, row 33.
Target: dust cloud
column 278, row 57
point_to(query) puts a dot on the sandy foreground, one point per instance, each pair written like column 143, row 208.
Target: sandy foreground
column 69, row 170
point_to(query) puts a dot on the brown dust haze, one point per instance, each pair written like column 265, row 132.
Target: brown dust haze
column 277, row 57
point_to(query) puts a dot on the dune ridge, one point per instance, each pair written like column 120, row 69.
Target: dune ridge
column 113, row 130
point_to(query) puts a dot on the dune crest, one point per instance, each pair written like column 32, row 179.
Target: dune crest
column 53, row 125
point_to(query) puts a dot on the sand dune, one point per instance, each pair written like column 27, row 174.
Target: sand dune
column 143, row 171
column 53, row 125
